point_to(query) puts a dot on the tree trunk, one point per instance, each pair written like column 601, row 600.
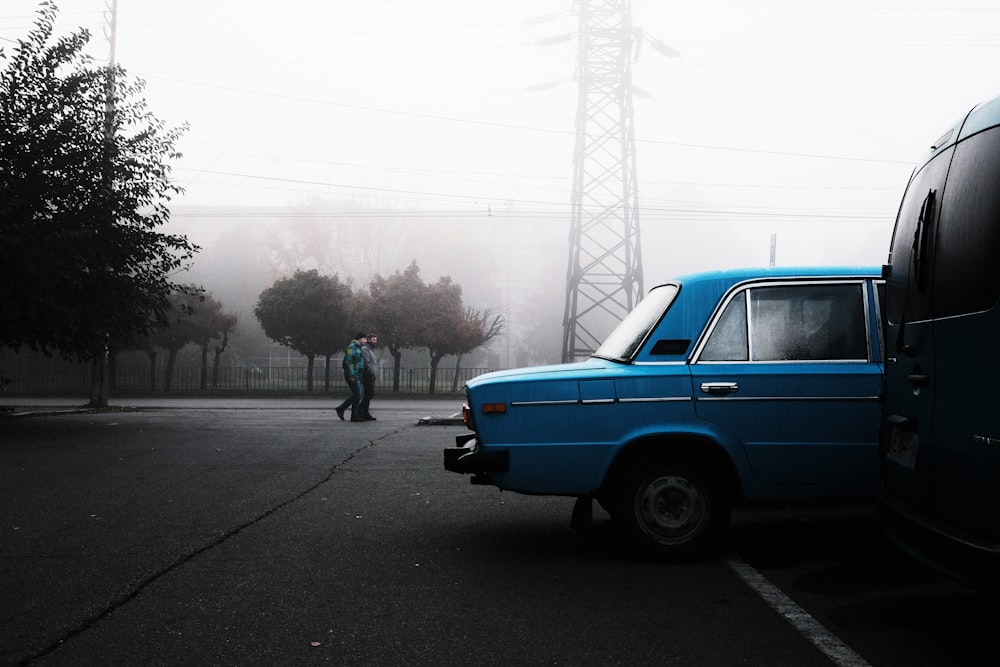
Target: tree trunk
column 112, row 374
column 99, row 381
column 152, row 370
column 204, row 367
column 215, row 368
column 435, row 360
column 397, row 357
column 458, row 368
column 219, row 349
column 168, row 375
column 311, row 357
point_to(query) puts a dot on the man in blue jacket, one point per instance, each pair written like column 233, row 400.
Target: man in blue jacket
column 354, row 368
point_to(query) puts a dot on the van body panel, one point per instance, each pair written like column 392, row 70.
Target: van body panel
column 967, row 425
column 940, row 441
column 983, row 117
column 910, row 335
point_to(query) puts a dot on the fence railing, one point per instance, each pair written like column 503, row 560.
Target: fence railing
column 229, row 380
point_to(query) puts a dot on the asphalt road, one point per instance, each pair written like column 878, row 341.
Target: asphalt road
column 271, row 533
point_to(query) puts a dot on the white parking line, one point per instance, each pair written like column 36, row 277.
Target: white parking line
column 839, row 652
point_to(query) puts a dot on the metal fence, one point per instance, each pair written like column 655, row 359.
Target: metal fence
column 230, row 380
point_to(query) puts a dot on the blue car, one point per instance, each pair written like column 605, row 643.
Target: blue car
column 726, row 387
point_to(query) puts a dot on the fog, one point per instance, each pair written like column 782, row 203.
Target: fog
column 358, row 137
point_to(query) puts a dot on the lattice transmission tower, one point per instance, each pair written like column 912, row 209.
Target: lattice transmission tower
column 604, row 278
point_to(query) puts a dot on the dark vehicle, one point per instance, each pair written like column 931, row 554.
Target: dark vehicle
column 941, row 435
column 719, row 388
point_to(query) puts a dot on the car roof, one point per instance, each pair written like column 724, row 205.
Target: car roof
column 738, row 275
column 700, row 293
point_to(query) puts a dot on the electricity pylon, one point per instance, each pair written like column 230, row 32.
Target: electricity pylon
column 604, row 278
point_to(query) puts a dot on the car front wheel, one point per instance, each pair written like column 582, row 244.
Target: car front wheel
column 671, row 509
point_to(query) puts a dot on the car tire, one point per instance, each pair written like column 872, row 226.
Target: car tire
column 670, row 508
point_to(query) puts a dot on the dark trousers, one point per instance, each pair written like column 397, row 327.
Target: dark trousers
column 354, row 400
column 368, row 391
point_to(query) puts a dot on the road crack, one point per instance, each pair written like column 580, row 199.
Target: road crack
column 85, row 625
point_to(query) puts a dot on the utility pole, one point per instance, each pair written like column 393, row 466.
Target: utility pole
column 604, row 277
column 100, row 369
column 111, row 32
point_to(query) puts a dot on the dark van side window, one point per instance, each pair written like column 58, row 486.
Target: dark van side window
column 968, row 241
column 911, row 242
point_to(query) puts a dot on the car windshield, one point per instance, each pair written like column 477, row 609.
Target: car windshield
column 625, row 340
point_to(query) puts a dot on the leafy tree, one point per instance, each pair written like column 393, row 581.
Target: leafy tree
column 182, row 328
column 308, row 313
column 83, row 189
column 443, row 325
column 408, row 313
column 210, row 323
column 146, row 343
column 394, row 306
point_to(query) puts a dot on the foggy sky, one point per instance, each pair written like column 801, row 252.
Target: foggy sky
column 800, row 119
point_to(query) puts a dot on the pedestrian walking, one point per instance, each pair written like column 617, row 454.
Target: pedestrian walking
column 353, row 365
column 369, row 375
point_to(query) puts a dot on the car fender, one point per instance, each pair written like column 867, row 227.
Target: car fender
column 699, row 439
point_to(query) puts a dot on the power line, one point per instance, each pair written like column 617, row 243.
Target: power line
column 498, row 217
column 473, row 198
column 512, row 126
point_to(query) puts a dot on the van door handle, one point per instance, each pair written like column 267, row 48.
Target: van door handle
column 918, row 379
column 720, row 388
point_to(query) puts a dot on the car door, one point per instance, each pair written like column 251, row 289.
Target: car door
column 789, row 370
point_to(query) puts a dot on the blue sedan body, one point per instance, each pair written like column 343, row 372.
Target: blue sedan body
column 769, row 378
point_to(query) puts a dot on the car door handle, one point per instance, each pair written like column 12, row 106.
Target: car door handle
column 720, row 388
column 918, row 379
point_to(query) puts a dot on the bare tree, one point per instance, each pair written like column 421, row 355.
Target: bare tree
column 482, row 326
column 228, row 323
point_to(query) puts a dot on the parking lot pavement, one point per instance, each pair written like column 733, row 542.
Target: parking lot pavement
column 441, row 411
column 273, row 533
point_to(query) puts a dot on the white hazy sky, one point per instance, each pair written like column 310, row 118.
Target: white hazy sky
column 800, row 118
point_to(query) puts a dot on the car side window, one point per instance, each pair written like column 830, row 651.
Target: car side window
column 819, row 322
column 808, row 322
column 729, row 340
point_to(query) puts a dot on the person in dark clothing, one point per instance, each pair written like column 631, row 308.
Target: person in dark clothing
column 369, row 375
column 354, row 367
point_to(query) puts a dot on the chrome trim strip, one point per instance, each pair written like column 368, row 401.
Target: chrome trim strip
column 604, row 401
column 786, row 361
column 660, row 363
column 529, row 403
column 788, row 398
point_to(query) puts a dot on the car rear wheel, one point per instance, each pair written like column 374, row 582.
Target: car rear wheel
column 671, row 508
